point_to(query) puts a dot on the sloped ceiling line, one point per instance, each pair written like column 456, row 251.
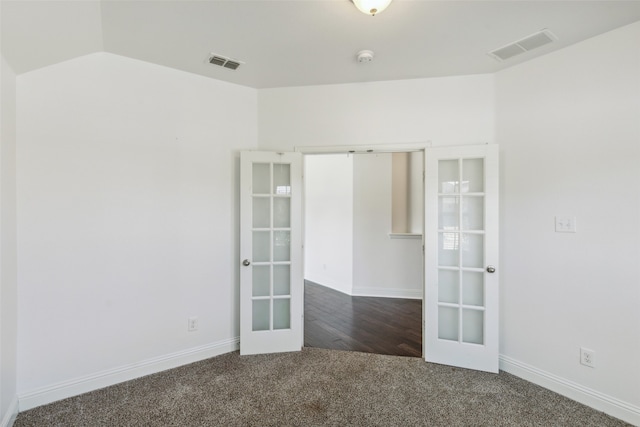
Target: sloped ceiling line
column 300, row 42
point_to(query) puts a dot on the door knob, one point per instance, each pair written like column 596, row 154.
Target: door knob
column 246, row 263
column 491, row 269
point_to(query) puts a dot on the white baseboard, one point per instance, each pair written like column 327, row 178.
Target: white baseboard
column 599, row 401
column 387, row 293
column 45, row 395
column 12, row 413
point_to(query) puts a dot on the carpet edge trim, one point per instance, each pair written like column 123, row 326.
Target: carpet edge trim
column 12, row 413
column 62, row 390
column 592, row 398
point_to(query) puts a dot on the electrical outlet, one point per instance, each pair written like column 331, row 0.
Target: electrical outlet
column 565, row 224
column 192, row 324
column 587, row 357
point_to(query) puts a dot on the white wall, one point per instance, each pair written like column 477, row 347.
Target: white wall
column 445, row 111
column 127, row 195
column 568, row 125
column 8, row 281
column 329, row 221
column 382, row 266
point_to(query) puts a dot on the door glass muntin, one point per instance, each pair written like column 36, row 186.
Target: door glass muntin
column 271, row 220
column 461, row 206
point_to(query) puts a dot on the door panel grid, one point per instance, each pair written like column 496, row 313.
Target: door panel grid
column 271, row 278
column 271, row 246
column 460, row 239
column 461, row 236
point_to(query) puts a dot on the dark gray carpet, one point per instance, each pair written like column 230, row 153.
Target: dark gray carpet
column 318, row 387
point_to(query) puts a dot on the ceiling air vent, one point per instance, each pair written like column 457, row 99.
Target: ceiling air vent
column 523, row 45
column 223, row 61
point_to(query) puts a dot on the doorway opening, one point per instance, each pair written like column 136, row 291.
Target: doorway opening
column 460, row 254
column 363, row 251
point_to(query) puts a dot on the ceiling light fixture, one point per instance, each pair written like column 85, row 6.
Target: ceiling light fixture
column 371, row 7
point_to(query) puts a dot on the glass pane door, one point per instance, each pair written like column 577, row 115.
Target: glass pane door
column 461, row 247
column 271, row 229
column 461, row 250
column 271, row 270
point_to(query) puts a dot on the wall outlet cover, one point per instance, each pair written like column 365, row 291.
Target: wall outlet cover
column 192, row 324
column 587, row 357
column 565, row 224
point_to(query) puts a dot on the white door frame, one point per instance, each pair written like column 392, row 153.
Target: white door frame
column 366, row 149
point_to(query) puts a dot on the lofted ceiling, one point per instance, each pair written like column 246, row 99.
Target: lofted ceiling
column 301, row 42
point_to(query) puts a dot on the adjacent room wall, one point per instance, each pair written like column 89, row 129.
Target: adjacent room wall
column 8, row 279
column 127, row 221
column 328, row 217
column 382, row 266
column 416, row 192
column 347, row 224
column 407, row 188
column 568, row 125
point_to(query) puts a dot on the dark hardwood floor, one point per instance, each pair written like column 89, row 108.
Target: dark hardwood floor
column 334, row 320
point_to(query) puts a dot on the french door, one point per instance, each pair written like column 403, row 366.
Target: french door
column 271, row 278
column 461, row 257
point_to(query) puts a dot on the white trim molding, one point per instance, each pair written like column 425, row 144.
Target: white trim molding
column 11, row 414
column 74, row 387
column 405, row 236
column 592, row 398
column 387, row 293
column 353, row 149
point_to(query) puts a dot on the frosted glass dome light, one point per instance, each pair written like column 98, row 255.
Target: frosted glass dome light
column 371, row 7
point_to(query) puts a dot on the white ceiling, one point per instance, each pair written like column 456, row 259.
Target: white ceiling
column 301, row 42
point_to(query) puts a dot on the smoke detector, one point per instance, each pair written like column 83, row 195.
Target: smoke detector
column 365, row 56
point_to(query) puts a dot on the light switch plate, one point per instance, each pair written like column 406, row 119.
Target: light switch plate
column 565, row 224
